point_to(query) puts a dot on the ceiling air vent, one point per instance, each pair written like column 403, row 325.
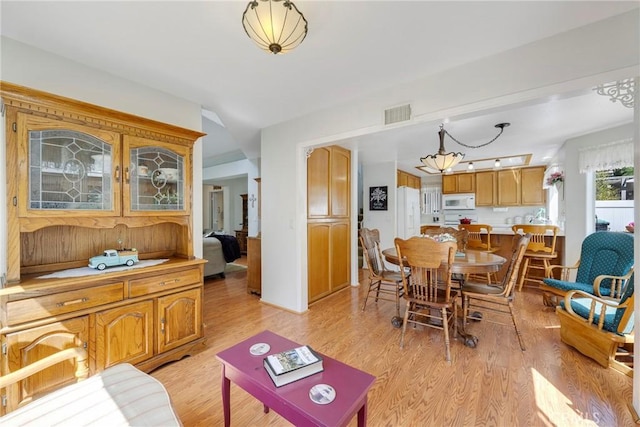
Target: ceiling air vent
column 397, row 114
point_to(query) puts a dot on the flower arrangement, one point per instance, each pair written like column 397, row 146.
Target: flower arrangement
column 555, row 178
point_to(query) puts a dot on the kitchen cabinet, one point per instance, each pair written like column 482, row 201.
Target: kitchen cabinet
column 486, row 191
column 459, row 183
column 328, row 183
column 329, row 258
column 90, row 179
column 508, row 185
column 531, row 191
column 408, row 180
column 328, row 221
column 520, row 187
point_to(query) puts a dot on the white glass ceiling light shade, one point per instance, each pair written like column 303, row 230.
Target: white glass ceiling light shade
column 442, row 161
column 276, row 26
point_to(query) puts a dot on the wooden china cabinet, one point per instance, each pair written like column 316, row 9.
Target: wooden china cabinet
column 82, row 179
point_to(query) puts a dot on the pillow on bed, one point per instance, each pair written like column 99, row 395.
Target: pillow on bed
column 208, row 232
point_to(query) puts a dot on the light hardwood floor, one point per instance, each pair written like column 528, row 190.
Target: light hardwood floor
column 494, row 384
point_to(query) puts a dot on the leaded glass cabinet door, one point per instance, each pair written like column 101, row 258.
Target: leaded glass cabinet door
column 70, row 169
column 157, row 177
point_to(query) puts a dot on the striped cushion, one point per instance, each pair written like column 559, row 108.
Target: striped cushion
column 119, row 396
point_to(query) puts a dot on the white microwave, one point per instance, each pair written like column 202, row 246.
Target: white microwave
column 458, row 201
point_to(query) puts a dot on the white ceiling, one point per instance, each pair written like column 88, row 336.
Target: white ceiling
column 199, row 51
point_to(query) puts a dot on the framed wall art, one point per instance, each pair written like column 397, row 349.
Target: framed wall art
column 378, row 197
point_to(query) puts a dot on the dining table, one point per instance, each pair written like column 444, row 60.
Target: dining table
column 468, row 262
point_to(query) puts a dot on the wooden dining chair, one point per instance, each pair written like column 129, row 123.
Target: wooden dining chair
column 540, row 252
column 427, row 286
column 479, row 239
column 488, row 298
column 462, row 238
column 386, row 284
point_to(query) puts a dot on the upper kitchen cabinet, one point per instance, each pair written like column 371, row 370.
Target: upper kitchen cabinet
column 408, row 180
column 459, row 183
column 520, row 187
column 531, row 191
column 508, row 186
column 486, row 188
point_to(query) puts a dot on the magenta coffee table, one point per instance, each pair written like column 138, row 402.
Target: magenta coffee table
column 292, row 400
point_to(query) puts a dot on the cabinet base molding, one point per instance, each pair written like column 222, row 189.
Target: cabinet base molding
column 174, row 355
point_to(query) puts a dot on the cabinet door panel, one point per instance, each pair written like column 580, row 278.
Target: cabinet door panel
column 31, row 345
column 124, row 334
column 156, row 176
column 532, row 193
column 509, row 187
column 180, row 319
column 485, row 188
column 340, row 255
column 449, row 184
column 466, row 182
column 68, row 169
column 318, row 185
column 319, row 238
column 340, row 183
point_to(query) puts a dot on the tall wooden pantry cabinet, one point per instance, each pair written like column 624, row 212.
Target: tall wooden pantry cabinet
column 328, row 221
column 82, row 179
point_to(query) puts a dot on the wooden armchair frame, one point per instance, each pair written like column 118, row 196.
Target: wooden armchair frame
column 105, row 397
column 592, row 339
column 604, row 268
column 77, row 353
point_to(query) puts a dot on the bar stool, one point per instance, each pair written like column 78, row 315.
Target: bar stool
column 539, row 254
column 475, row 242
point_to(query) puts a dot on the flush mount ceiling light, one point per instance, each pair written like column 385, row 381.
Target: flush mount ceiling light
column 623, row 91
column 276, row 26
column 443, row 161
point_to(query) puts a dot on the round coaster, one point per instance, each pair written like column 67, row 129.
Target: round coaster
column 259, row 349
column 322, row 394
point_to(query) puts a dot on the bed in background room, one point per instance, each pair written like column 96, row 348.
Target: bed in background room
column 218, row 250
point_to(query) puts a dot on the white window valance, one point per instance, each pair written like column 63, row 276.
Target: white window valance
column 613, row 155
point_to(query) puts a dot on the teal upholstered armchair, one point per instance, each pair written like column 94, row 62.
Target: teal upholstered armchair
column 604, row 268
column 600, row 328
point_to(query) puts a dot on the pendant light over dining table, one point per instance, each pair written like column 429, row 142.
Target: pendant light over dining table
column 443, row 161
column 276, row 26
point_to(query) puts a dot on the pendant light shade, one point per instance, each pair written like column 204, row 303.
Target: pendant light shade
column 442, row 161
column 276, row 26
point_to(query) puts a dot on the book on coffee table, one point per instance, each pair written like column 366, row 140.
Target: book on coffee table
column 292, row 365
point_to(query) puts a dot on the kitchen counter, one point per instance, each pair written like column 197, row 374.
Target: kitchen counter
column 506, row 230
column 502, row 229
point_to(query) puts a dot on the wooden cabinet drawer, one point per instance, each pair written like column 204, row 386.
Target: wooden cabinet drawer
column 65, row 302
column 163, row 282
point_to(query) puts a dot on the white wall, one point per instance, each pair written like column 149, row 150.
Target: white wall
column 375, row 175
column 570, row 61
column 37, row 69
